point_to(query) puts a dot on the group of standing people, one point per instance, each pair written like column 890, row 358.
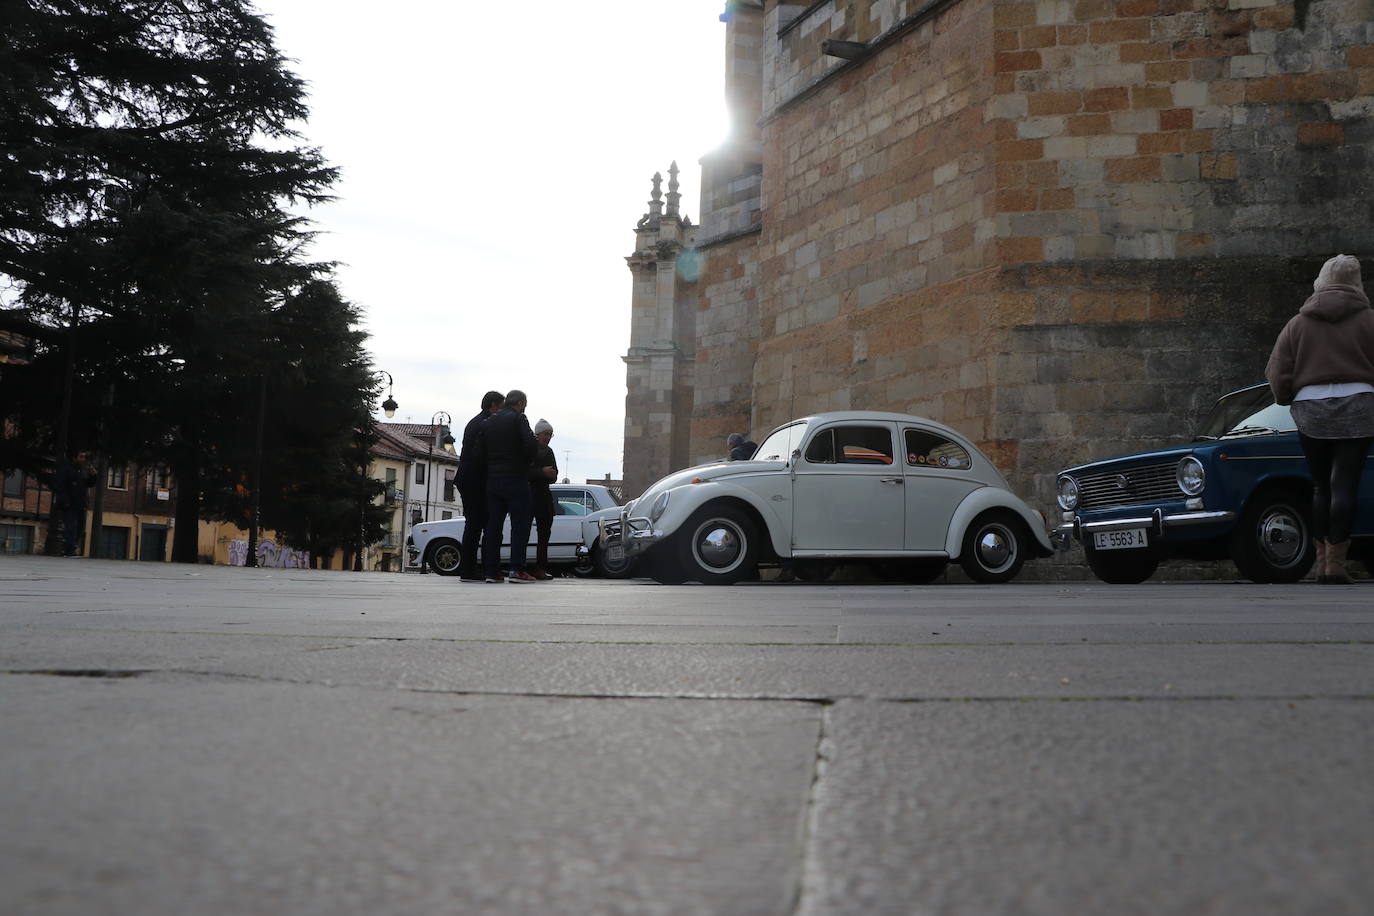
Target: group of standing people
column 504, row 470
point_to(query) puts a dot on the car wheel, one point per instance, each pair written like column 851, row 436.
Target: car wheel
column 1122, row 567
column 612, row 564
column 1273, row 541
column 814, row 570
column 717, row 546
column 994, row 548
column 661, row 564
column 585, row 567
column 445, row 557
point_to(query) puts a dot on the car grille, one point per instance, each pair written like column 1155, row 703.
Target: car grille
column 1152, row 483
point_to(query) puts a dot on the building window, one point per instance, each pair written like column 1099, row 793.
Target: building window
column 14, row 485
column 158, row 483
column 391, row 478
column 447, row 514
column 16, row 538
column 416, row 516
column 117, row 477
column 448, row 487
column 419, row 474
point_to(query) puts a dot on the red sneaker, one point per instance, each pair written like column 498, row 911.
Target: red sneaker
column 521, row 577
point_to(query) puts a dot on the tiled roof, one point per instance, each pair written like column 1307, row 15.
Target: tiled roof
column 417, row 437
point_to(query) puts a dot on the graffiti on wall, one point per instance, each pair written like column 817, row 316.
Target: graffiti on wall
column 270, row 555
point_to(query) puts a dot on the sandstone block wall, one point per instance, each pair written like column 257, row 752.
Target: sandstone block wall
column 1061, row 226
column 876, row 201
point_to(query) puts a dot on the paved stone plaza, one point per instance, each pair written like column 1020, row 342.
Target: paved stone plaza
column 216, row 740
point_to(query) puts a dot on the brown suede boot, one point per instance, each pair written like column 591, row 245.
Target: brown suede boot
column 1335, row 563
column 1319, row 567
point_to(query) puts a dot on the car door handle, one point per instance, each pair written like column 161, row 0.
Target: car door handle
column 895, row 481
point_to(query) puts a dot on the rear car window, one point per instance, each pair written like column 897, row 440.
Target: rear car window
column 931, row 450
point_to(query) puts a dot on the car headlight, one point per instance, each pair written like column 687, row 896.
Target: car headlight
column 1068, row 493
column 1191, row 475
column 660, row 506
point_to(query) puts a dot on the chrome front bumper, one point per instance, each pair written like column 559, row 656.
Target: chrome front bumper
column 623, row 531
column 1157, row 523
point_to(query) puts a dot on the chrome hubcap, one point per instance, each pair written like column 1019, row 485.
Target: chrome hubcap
column 1282, row 538
column 446, row 558
column 718, row 545
column 996, row 548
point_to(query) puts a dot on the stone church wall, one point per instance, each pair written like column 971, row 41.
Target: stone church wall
column 1061, row 226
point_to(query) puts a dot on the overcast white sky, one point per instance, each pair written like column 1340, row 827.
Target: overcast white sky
column 495, row 159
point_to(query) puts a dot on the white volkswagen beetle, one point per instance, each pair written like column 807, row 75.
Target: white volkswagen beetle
column 831, row 488
column 573, row 542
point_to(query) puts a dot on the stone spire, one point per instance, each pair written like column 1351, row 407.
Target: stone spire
column 673, row 196
column 656, row 205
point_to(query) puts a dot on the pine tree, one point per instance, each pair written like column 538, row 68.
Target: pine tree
column 148, row 155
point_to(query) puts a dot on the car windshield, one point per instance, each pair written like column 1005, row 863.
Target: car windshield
column 781, row 443
column 1246, row 413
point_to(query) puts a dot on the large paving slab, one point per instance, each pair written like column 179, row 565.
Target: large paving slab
column 213, row 740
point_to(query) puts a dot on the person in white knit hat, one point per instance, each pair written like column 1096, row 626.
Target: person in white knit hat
column 543, row 471
column 1323, row 365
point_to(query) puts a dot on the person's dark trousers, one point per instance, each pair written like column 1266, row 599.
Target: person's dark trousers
column 1336, row 466
column 474, row 525
column 506, row 496
column 543, row 526
column 71, row 530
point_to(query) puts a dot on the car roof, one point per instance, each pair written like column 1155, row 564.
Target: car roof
column 874, row 415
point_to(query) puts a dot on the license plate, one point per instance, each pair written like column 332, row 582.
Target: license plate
column 1120, row 540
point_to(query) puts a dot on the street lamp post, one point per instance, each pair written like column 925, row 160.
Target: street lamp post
column 389, row 405
column 389, row 408
column 429, row 468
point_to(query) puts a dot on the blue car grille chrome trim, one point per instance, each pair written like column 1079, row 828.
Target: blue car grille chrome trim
column 1129, row 487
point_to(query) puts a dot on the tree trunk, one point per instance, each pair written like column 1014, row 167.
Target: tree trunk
column 185, row 541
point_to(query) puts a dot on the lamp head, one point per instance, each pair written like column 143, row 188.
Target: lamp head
column 389, row 407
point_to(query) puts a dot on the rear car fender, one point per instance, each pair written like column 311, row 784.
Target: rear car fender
column 983, row 499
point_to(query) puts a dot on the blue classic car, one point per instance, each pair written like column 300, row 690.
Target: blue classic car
column 1241, row 490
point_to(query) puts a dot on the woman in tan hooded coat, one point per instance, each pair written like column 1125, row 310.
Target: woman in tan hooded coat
column 1323, row 365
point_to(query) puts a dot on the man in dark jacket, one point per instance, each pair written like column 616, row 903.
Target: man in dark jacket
column 740, row 448
column 510, row 447
column 543, row 471
column 472, row 486
column 69, row 491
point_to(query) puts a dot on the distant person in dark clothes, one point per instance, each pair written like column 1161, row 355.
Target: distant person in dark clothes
column 740, row 448
column 70, row 483
column 472, row 486
column 543, row 471
column 1323, row 365
column 510, row 447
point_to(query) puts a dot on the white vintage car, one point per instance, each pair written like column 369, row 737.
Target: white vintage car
column 574, row 542
column 907, row 492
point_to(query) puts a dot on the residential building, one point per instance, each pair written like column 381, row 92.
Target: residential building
column 138, row 514
column 25, row 507
column 393, row 458
column 430, row 492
